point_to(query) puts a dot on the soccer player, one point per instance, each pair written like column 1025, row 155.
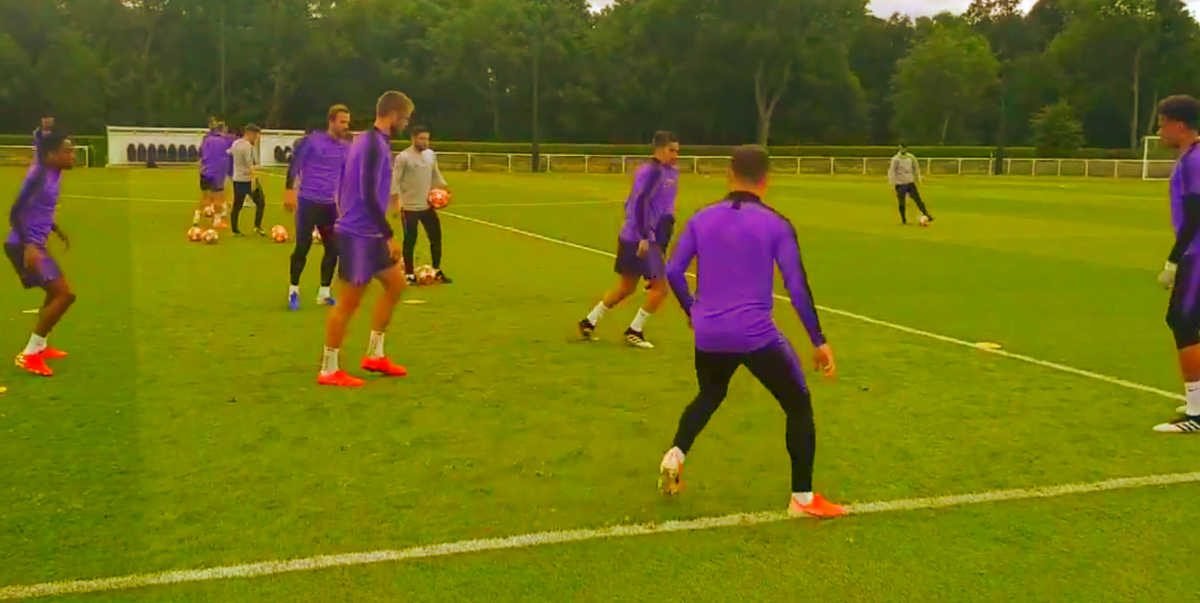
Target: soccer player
column 32, row 221
column 904, row 173
column 366, row 247
column 1178, row 125
column 317, row 161
column 642, row 242
column 214, row 167
column 738, row 242
column 414, row 174
column 245, row 179
column 44, row 128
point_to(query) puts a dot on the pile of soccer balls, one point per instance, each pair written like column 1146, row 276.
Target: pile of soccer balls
column 279, row 234
column 200, row 235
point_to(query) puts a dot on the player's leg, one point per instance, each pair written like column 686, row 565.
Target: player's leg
column 240, row 191
column 713, row 372
column 778, row 369
column 901, row 192
column 260, row 208
column 654, row 270
column 433, row 229
column 376, row 361
column 205, row 199
column 350, row 296
column 59, row 298
column 410, row 221
column 629, row 269
column 326, row 215
column 1183, row 317
column 916, row 195
column 299, row 258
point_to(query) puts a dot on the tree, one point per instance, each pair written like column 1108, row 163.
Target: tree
column 879, row 45
column 943, row 83
column 1056, row 130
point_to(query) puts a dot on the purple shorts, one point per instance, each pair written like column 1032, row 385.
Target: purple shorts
column 360, row 259
column 47, row 269
column 629, row 264
column 1183, row 311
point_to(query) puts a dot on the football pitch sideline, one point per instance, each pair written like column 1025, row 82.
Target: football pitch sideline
column 186, row 435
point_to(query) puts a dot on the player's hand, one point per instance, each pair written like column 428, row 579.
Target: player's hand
column 395, row 252
column 1166, row 278
column 62, row 236
column 289, row 200
column 643, row 248
column 823, row 360
column 33, row 256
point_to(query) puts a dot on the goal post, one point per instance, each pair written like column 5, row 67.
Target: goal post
column 1157, row 160
column 22, row 155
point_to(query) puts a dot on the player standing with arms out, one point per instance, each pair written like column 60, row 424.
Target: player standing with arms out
column 904, row 173
column 367, row 249
column 245, row 179
column 44, row 128
column 317, row 160
column 738, row 242
column 642, row 242
column 1178, row 122
column 214, row 167
column 414, row 174
column 32, row 219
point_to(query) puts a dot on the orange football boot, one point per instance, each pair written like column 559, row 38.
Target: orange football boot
column 53, row 353
column 35, row 364
column 384, row 367
column 819, row 508
column 340, row 379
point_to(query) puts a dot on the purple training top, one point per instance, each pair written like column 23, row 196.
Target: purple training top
column 215, row 162
column 365, row 186
column 32, row 215
column 737, row 243
column 1185, row 181
column 652, row 197
column 318, row 159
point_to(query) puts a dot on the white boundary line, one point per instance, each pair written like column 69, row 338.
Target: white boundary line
column 874, row 321
column 472, row 206
column 320, row 562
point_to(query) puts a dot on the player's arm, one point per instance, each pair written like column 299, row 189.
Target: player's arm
column 62, row 235
column 795, row 279
column 681, row 258
column 1183, row 238
column 643, row 191
column 397, row 178
column 31, row 252
column 372, row 167
column 892, row 167
column 295, row 171
column 916, row 165
column 438, row 180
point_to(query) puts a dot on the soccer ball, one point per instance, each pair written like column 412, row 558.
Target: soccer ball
column 194, row 234
column 316, row 235
column 279, row 234
column 439, row 198
column 210, row 237
column 924, row 221
column 425, row 275
column 209, row 211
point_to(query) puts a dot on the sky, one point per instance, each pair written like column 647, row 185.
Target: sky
column 919, row 7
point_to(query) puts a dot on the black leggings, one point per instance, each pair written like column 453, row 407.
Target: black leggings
column 777, row 368
column 321, row 216
column 903, row 190
column 241, row 190
column 433, row 227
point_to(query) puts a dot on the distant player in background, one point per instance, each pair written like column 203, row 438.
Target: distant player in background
column 739, row 241
column 317, row 161
column 1178, row 125
column 642, row 242
column 214, row 167
column 367, row 249
column 904, row 173
column 44, row 128
column 32, row 219
column 245, row 179
column 414, row 173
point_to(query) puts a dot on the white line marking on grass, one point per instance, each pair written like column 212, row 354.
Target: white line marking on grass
column 875, row 321
column 469, row 205
column 320, row 562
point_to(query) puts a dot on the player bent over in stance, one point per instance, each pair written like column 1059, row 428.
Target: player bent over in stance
column 642, row 243
column 366, row 248
column 32, row 221
column 738, row 242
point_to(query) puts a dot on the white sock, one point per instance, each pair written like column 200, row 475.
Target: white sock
column 323, row 293
column 293, row 289
column 804, row 498
column 329, row 361
column 196, row 217
column 36, row 344
column 1193, row 398
column 597, row 313
column 639, row 321
column 375, row 347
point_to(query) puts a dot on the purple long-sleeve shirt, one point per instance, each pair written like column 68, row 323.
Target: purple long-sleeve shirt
column 652, row 197
column 365, row 185
column 32, row 214
column 1185, row 203
column 215, row 161
column 737, row 243
column 317, row 160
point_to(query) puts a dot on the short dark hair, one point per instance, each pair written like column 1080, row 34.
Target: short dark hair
column 663, row 138
column 418, row 130
column 750, row 163
column 1181, row 108
column 252, row 128
column 52, row 142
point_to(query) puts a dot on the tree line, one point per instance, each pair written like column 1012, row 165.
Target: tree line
column 1066, row 73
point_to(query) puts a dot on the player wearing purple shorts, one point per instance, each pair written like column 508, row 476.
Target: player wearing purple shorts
column 642, row 243
column 32, row 220
column 366, row 248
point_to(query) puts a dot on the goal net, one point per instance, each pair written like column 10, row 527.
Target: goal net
column 22, row 155
column 1157, row 160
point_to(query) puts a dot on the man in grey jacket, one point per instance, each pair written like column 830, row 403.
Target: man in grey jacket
column 414, row 173
column 905, row 173
column 245, row 179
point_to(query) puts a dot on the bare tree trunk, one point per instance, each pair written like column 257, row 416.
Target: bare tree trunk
column 945, row 128
column 1136, row 113
column 766, row 98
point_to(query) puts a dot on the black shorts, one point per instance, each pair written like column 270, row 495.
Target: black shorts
column 241, row 190
column 211, row 185
column 312, row 214
column 1183, row 311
